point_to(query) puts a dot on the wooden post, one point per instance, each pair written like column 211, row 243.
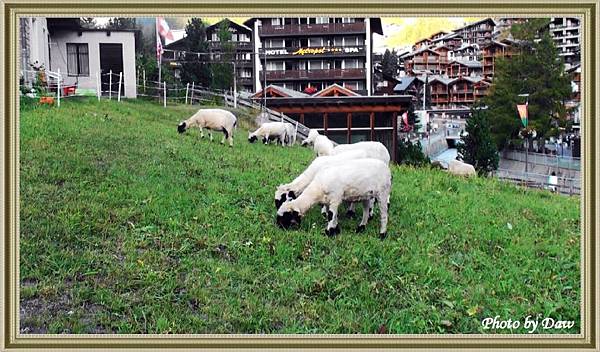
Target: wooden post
column 295, row 133
column 110, row 85
column 58, row 88
column 192, row 96
column 187, row 88
column 120, row 80
column 281, row 114
column 395, row 136
column 349, row 126
column 325, row 118
column 144, row 81
column 302, row 118
column 164, row 94
column 372, row 125
column 98, row 85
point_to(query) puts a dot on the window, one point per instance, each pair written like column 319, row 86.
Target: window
column 312, row 42
column 348, row 20
column 276, row 22
column 78, row 59
column 322, row 20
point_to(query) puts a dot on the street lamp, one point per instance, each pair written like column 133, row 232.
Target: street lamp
column 526, row 132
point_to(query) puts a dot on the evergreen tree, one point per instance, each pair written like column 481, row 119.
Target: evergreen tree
column 478, row 147
column 222, row 69
column 195, row 67
column 389, row 63
column 537, row 70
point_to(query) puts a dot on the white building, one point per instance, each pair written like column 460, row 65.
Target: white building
column 81, row 55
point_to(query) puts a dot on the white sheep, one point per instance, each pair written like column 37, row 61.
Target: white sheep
column 321, row 144
column 354, row 180
column 459, row 168
column 375, row 149
column 212, row 119
column 290, row 133
column 293, row 189
column 268, row 131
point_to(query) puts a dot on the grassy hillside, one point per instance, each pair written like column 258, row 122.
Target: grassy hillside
column 128, row 227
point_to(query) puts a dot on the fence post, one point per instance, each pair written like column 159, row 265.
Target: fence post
column 165, row 94
column 187, row 88
column 98, row 91
column 144, row 72
column 110, row 85
column 58, row 87
column 281, row 114
column 192, row 96
column 296, row 132
column 120, row 80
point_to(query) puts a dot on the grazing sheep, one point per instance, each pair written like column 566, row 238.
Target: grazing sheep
column 212, row 119
column 460, row 168
column 268, row 131
column 354, row 180
column 375, row 149
column 290, row 134
column 321, row 144
column 293, row 189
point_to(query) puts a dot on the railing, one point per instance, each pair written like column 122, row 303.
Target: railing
column 563, row 185
column 565, row 162
column 238, row 45
column 302, row 29
column 353, row 73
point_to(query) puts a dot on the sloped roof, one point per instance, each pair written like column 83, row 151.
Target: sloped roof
column 476, row 23
column 232, row 23
column 472, row 64
column 335, row 88
column 405, row 82
column 422, row 50
column 284, row 92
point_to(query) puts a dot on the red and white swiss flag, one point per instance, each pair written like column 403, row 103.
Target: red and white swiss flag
column 159, row 48
column 163, row 28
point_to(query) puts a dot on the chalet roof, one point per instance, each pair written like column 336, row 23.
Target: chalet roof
column 476, row 23
column 420, row 51
column 325, row 92
column 468, row 63
column 283, row 91
column 405, row 82
column 472, row 79
column 236, row 25
column 467, row 46
column 448, row 36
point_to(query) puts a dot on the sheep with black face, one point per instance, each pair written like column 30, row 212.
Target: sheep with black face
column 268, row 131
column 354, row 180
column 212, row 120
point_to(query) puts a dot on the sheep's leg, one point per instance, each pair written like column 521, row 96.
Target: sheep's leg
column 383, row 210
column 266, row 139
column 350, row 213
column 201, row 132
column 371, row 208
column 230, row 139
column 365, row 216
column 324, row 211
column 210, row 135
column 332, row 226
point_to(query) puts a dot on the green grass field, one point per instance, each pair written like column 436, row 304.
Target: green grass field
column 128, row 227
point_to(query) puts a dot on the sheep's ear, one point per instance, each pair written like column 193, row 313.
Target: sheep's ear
column 291, row 195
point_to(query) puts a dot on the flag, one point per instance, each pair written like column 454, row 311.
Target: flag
column 405, row 118
column 159, row 48
column 522, row 108
column 163, row 28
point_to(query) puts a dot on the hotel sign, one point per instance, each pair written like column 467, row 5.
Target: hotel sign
column 317, row 51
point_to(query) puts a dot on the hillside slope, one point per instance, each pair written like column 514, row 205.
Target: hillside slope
column 128, row 227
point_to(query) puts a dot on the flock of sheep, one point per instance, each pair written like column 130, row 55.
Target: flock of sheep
column 350, row 173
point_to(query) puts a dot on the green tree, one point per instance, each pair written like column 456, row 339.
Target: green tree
column 389, row 63
column 478, row 147
column 537, row 70
column 410, row 153
column 195, row 67
column 88, row 22
column 222, row 68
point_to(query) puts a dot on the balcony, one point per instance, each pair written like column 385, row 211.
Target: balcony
column 216, row 45
column 311, row 29
column 352, row 73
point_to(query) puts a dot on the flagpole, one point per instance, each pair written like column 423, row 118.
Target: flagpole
column 159, row 53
